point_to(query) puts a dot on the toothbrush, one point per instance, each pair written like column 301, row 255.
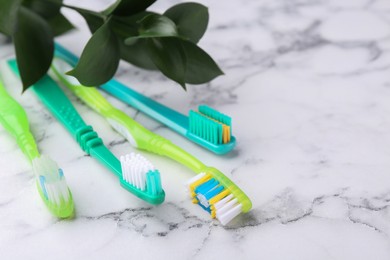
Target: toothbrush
column 137, row 175
column 50, row 179
column 206, row 127
column 212, row 190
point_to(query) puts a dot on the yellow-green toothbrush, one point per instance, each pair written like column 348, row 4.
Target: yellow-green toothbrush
column 50, row 180
column 211, row 189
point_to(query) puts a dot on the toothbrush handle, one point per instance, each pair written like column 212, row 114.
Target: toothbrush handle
column 155, row 110
column 159, row 145
column 146, row 140
column 14, row 119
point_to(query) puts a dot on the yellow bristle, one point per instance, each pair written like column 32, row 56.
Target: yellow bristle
column 195, row 201
column 218, row 197
column 225, row 134
column 228, row 134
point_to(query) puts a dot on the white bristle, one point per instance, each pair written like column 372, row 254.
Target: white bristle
column 227, row 209
column 223, row 201
column 134, row 169
column 194, row 179
column 229, row 215
column 54, row 184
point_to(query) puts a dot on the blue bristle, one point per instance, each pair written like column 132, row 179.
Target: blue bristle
column 214, row 192
column 205, row 187
column 206, row 191
column 205, row 208
column 60, row 173
column 42, row 181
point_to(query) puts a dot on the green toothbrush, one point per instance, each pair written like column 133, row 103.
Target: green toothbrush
column 50, row 180
column 211, row 189
column 137, row 175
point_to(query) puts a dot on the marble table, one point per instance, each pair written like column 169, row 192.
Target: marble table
column 308, row 87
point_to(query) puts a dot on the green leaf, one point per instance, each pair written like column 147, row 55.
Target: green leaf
column 201, row 68
column 125, row 27
column 50, row 11
column 8, row 15
column 128, row 7
column 136, row 54
column 100, row 58
column 59, row 24
column 182, row 60
column 154, row 25
column 191, row 20
column 169, row 57
column 46, row 9
column 34, row 46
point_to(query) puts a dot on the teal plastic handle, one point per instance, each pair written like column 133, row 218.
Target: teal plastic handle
column 161, row 113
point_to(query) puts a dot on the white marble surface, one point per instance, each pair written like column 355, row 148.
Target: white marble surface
column 308, row 86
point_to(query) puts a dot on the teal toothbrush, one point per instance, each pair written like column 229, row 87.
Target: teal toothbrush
column 50, row 180
column 136, row 174
column 205, row 127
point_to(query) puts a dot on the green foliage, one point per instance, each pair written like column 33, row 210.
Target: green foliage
column 34, row 46
column 125, row 30
column 191, row 20
column 102, row 50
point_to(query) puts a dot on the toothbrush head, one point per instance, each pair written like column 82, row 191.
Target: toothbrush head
column 211, row 129
column 52, row 187
column 218, row 195
column 140, row 176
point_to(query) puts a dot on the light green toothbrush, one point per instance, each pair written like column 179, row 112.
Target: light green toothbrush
column 136, row 174
column 50, row 180
column 211, row 189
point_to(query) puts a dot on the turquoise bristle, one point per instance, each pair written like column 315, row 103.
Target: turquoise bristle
column 210, row 112
column 204, row 127
column 153, row 182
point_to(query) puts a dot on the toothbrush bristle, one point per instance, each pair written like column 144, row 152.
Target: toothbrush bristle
column 139, row 172
column 210, row 125
column 214, row 197
column 51, row 180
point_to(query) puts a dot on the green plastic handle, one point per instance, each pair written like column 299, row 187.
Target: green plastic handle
column 14, row 119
